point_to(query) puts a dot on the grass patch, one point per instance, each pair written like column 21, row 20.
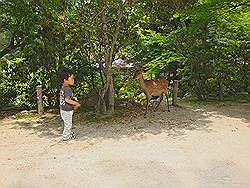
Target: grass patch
column 25, row 115
column 97, row 118
column 92, row 118
column 239, row 98
column 86, row 109
column 118, row 114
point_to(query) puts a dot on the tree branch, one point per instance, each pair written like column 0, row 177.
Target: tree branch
column 117, row 29
column 11, row 47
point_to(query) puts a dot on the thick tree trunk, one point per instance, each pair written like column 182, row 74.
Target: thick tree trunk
column 175, row 92
column 220, row 87
column 245, row 75
column 220, row 90
column 106, row 94
column 110, row 98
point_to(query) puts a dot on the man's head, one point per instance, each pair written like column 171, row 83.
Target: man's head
column 67, row 77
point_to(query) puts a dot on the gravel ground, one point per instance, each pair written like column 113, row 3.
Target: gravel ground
column 191, row 146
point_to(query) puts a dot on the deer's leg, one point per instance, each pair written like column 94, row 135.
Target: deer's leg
column 161, row 97
column 166, row 94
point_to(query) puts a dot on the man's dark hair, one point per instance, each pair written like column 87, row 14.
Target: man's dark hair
column 65, row 74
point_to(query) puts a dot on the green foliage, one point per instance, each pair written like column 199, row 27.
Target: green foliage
column 204, row 44
column 206, row 47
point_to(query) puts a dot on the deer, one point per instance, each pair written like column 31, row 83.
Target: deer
column 152, row 88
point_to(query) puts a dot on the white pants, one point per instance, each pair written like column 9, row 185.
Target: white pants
column 67, row 120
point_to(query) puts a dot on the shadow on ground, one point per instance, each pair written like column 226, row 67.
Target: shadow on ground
column 174, row 123
column 233, row 110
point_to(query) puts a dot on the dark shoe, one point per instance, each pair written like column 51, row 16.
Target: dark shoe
column 72, row 136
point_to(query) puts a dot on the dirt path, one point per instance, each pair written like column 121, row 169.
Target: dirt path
column 188, row 147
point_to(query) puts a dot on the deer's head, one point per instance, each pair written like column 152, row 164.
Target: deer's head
column 137, row 74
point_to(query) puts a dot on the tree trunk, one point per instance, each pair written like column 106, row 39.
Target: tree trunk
column 220, row 87
column 245, row 75
column 106, row 94
column 110, row 98
column 39, row 100
column 175, row 92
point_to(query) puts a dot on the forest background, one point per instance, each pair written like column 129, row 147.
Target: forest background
column 202, row 43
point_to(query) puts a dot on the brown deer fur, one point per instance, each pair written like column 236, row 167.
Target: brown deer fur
column 156, row 87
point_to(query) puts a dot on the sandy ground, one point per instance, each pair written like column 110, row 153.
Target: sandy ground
column 191, row 146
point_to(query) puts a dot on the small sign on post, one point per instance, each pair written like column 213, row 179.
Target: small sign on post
column 175, row 92
column 39, row 99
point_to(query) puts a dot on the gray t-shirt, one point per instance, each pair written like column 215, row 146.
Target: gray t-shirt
column 65, row 92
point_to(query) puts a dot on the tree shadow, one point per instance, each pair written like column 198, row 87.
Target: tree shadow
column 134, row 125
column 5, row 113
column 232, row 110
column 156, row 123
column 175, row 124
column 48, row 126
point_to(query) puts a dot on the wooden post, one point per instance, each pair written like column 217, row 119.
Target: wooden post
column 175, row 91
column 39, row 99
